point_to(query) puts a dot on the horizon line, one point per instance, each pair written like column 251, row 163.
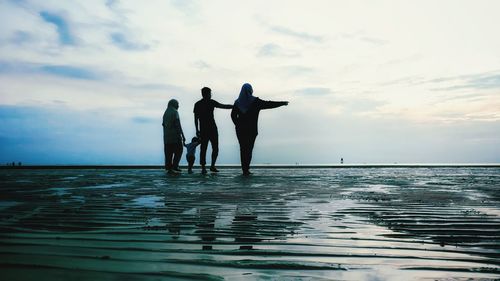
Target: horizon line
column 258, row 166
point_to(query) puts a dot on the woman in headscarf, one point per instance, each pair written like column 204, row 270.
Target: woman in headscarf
column 245, row 115
column 173, row 137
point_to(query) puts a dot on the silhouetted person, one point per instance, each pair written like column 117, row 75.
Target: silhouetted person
column 207, row 129
column 173, row 137
column 246, row 228
column 341, row 160
column 245, row 115
column 191, row 152
column 206, row 226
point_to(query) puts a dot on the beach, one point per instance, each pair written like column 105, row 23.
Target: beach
column 310, row 223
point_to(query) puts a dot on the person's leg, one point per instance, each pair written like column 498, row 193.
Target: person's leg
column 246, row 156
column 214, row 141
column 190, row 160
column 251, row 142
column 165, row 151
column 169, row 148
column 177, row 155
column 203, row 151
column 240, row 137
column 244, row 152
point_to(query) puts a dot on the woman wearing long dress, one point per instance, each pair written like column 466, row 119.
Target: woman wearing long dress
column 173, row 137
column 245, row 115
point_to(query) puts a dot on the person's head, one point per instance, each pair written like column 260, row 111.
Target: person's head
column 195, row 139
column 173, row 103
column 247, row 89
column 206, row 93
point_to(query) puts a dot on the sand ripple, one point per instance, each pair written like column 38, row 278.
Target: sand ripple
column 343, row 224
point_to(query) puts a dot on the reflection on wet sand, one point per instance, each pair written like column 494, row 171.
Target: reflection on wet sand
column 348, row 224
column 206, row 227
column 245, row 228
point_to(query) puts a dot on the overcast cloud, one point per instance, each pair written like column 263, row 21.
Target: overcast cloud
column 370, row 81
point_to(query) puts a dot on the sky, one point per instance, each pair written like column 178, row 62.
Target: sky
column 87, row 82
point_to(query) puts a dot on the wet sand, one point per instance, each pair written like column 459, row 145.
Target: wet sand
column 379, row 223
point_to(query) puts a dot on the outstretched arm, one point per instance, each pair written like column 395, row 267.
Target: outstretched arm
column 223, row 106
column 272, row 104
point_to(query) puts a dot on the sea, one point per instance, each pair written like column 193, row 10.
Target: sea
column 319, row 223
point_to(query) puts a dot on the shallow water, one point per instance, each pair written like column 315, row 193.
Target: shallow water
column 299, row 224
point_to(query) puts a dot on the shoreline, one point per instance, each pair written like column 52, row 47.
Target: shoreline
column 257, row 166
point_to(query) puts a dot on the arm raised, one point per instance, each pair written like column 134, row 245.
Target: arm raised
column 223, row 106
column 272, row 104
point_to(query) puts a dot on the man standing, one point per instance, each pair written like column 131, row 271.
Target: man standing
column 207, row 129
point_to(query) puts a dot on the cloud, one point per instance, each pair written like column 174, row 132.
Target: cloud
column 273, row 50
column 296, row 34
column 5, row 67
column 361, row 36
column 62, row 27
column 21, row 37
column 155, row 86
column 477, row 81
column 375, row 41
column 408, row 80
column 111, row 3
column 202, row 65
column 485, row 82
column 296, row 70
column 70, row 72
column 142, row 120
column 65, row 71
column 187, row 7
column 60, row 135
column 15, row 112
column 121, row 41
column 314, row 91
column 363, row 105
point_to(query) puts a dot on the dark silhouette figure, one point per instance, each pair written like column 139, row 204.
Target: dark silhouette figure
column 173, row 137
column 206, row 226
column 246, row 229
column 245, row 115
column 341, row 160
column 191, row 151
column 206, row 128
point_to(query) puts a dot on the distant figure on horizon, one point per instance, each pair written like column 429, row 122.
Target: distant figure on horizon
column 245, row 115
column 173, row 137
column 206, row 129
column 191, row 152
column 341, row 160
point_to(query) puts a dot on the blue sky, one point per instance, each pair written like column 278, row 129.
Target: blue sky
column 86, row 82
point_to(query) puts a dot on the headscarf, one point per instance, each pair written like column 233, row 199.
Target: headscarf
column 171, row 113
column 245, row 99
column 173, row 103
